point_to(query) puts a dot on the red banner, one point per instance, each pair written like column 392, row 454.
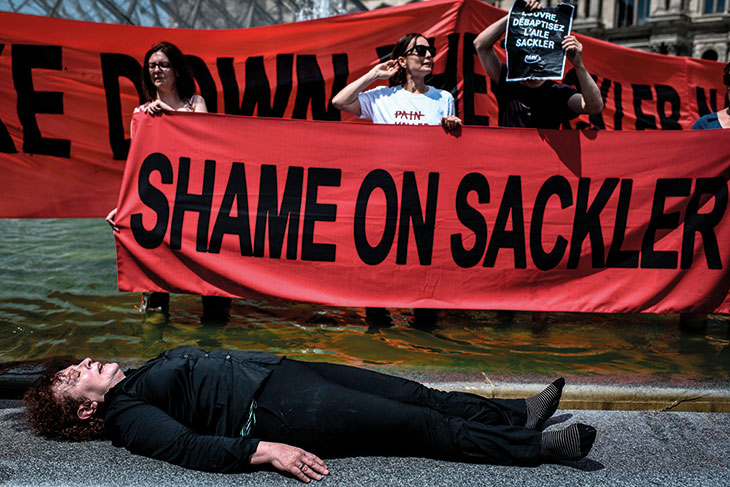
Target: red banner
column 413, row 217
column 68, row 99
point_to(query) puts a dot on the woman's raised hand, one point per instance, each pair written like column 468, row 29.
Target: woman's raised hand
column 385, row 70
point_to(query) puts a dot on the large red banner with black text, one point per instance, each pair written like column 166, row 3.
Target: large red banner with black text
column 68, row 88
column 374, row 215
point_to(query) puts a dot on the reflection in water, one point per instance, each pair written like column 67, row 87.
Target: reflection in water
column 58, row 296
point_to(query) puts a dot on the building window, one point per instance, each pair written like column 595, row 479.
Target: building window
column 710, row 55
column 714, row 6
column 636, row 12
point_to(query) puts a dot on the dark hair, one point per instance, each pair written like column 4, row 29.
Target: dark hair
column 184, row 83
column 726, row 75
column 399, row 49
column 57, row 419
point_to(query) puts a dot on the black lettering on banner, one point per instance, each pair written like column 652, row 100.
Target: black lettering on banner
column 384, row 52
column 153, row 198
column 376, row 179
column 447, row 80
column 702, row 102
column 704, row 223
column 6, row 142
column 617, row 258
column 554, row 186
column 202, row 75
column 472, row 219
column 423, row 226
column 31, row 102
column 258, row 91
column 515, row 238
column 239, row 225
column 587, row 222
column 473, row 84
column 113, row 67
column 618, row 116
column 268, row 210
column 643, row 120
column 318, row 212
column 310, row 87
column 195, row 203
column 666, row 95
column 258, row 84
column 662, row 259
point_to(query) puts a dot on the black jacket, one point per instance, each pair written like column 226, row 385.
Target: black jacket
column 188, row 407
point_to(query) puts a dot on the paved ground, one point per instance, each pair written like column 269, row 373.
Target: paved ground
column 638, row 448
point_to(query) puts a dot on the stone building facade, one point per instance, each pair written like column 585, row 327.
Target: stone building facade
column 697, row 28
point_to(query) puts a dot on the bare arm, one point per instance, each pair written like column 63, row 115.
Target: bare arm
column 303, row 465
column 199, row 104
column 346, row 100
column 484, row 43
column 589, row 99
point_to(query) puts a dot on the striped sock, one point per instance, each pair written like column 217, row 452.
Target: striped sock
column 542, row 406
column 571, row 443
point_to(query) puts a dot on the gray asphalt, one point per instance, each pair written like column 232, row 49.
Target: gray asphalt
column 633, row 448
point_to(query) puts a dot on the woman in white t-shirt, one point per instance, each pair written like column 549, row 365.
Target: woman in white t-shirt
column 408, row 100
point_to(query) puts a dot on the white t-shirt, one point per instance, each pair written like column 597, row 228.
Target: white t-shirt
column 400, row 107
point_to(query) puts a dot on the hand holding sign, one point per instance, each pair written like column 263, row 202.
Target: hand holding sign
column 574, row 50
column 534, row 41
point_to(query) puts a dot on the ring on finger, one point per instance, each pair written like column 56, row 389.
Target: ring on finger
column 301, row 466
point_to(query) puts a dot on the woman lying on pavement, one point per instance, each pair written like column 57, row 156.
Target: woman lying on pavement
column 228, row 411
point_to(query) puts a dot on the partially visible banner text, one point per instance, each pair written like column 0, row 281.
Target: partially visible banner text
column 68, row 99
column 414, row 217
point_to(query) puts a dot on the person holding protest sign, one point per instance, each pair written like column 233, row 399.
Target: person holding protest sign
column 537, row 103
column 407, row 101
column 168, row 85
column 228, row 411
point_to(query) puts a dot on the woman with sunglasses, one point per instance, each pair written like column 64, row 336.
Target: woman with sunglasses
column 408, row 100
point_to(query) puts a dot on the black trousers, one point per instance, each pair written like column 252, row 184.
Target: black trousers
column 336, row 410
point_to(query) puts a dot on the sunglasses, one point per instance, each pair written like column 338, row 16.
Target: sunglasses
column 421, row 50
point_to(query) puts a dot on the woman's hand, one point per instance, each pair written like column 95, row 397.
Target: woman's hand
column 110, row 219
column 303, row 465
column 156, row 107
column 451, row 124
column 385, row 70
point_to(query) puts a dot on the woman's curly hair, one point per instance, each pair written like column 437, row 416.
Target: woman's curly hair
column 57, row 419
